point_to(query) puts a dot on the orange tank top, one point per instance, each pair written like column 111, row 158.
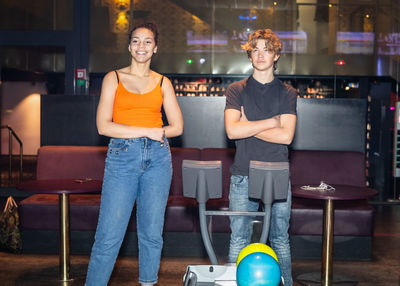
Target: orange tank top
column 135, row 109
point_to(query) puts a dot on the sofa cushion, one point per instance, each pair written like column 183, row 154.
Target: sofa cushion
column 71, row 162
column 181, row 214
column 332, row 167
column 41, row 211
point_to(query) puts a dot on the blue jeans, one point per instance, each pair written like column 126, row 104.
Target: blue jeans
column 138, row 170
column 242, row 227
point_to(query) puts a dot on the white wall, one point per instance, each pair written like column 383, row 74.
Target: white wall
column 20, row 108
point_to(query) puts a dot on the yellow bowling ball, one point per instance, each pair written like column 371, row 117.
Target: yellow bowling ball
column 256, row 247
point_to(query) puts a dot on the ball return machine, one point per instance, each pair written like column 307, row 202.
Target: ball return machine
column 202, row 180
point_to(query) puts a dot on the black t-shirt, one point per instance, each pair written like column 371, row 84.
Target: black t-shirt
column 260, row 101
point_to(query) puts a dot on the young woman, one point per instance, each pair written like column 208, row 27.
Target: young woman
column 138, row 165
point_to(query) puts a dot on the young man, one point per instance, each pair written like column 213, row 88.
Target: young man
column 260, row 114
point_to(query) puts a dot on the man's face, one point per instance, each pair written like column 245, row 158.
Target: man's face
column 261, row 58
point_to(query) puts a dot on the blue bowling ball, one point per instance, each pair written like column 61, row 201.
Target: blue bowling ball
column 258, row 269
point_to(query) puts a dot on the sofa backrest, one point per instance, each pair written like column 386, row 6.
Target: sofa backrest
column 306, row 167
column 331, row 167
column 70, row 162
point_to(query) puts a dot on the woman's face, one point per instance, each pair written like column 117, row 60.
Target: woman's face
column 142, row 45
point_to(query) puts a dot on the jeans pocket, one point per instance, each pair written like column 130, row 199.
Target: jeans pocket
column 238, row 188
column 117, row 145
column 238, row 180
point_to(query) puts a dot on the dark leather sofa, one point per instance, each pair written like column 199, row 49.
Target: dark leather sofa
column 353, row 226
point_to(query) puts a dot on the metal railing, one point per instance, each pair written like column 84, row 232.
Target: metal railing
column 12, row 134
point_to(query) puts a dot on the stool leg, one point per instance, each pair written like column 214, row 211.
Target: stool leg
column 266, row 224
column 64, row 237
column 205, row 235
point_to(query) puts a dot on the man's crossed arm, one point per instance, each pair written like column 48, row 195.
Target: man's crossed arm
column 278, row 129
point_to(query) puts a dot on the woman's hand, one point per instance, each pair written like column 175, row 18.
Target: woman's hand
column 156, row 134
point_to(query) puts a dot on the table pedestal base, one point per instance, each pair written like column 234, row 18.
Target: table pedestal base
column 66, row 282
column 314, row 278
column 48, row 276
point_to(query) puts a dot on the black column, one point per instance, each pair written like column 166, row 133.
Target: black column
column 77, row 51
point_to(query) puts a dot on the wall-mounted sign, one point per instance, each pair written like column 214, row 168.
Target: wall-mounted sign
column 80, row 74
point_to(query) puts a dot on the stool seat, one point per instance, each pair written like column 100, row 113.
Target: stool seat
column 268, row 181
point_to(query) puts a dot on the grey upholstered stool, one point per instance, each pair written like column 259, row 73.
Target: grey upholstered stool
column 269, row 182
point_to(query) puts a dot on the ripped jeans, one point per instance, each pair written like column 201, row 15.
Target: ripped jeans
column 137, row 170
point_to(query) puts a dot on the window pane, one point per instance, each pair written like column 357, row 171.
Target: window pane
column 36, row 15
column 320, row 37
column 35, row 59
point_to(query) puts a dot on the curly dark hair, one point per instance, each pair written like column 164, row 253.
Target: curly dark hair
column 150, row 26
